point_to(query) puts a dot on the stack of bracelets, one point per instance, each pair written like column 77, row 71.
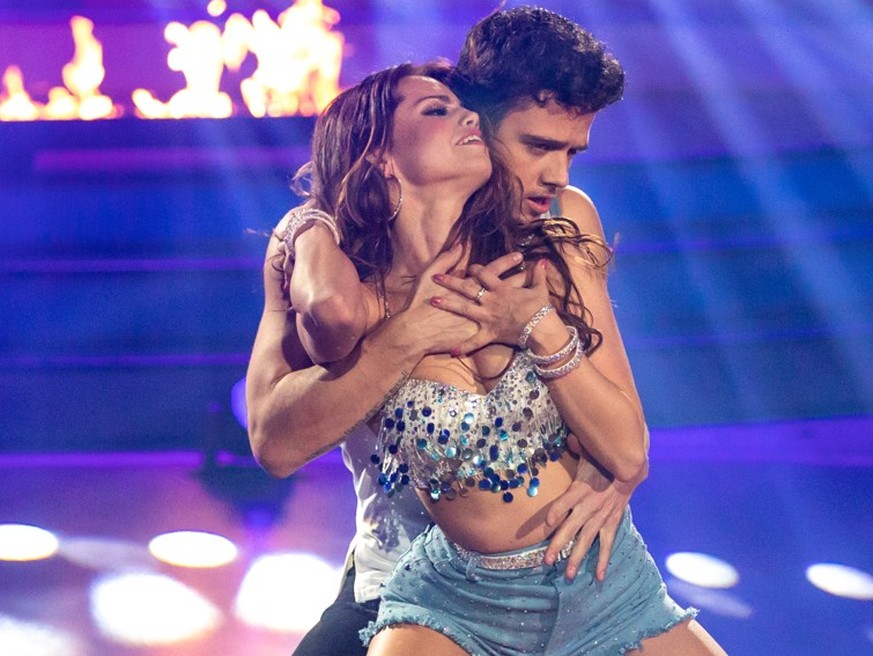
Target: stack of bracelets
column 300, row 217
column 573, row 345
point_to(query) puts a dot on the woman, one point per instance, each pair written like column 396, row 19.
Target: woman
column 483, row 438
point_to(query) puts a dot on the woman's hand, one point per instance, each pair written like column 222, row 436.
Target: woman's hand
column 433, row 329
column 500, row 307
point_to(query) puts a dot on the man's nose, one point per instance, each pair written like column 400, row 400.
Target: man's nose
column 557, row 171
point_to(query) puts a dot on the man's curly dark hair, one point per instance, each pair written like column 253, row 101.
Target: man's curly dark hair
column 530, row 54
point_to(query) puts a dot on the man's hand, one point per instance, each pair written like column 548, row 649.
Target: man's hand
column 592, row 506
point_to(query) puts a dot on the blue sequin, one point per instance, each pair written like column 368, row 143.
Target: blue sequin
column 416, row 423
column 507, row 497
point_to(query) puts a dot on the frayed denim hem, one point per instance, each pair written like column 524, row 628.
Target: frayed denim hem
column 414, row 619
column 689, row 614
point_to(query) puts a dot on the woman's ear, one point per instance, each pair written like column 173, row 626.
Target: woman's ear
column 387, row 168
column 384, row 162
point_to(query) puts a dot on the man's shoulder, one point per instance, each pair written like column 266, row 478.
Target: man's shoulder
column 578, row 207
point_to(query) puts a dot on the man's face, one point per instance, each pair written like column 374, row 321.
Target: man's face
column 538, row 144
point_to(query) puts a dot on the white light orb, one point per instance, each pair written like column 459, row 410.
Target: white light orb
column 146, row 609
column 287, row 592
column 702, row 569
column 841, row 581
column 193, row 549
column 22, row 542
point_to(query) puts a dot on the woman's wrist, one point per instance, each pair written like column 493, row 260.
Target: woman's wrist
column 549, row 336
column 302, row 220
column 312, row 236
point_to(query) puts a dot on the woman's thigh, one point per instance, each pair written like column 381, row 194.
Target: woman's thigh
column 405, row 639
column 685, row 639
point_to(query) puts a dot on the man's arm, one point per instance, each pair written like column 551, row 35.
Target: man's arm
column 297, row 411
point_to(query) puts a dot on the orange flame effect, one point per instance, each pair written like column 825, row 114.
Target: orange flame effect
column 298, row 66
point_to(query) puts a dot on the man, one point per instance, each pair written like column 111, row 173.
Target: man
column 538, row 80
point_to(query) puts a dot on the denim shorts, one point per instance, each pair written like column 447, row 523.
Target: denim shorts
column 532, row 610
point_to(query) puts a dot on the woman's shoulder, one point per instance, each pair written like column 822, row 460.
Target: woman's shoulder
column 577, row 206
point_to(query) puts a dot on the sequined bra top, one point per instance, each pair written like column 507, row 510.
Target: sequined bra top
column 450, row 441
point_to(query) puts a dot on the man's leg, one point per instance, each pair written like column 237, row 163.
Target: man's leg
column 336, row 633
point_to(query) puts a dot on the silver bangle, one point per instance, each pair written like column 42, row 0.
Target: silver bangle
column 571, row 344
column 524, row 335
column 300, row 217
column 564, row 369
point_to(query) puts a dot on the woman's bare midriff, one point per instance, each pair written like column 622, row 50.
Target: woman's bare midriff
column 482, row 521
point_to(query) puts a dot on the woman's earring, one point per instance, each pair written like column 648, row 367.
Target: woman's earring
column 399, row 200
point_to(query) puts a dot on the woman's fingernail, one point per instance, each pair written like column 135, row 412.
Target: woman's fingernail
column 543, row 262
column 436, row 300
column 456, row 352
column 438, row 277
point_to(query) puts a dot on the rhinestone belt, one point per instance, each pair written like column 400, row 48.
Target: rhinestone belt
column 531, row 558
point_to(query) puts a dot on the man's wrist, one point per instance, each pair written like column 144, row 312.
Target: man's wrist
column 395, row 342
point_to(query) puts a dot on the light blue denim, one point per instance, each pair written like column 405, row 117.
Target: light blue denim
column 533, row 610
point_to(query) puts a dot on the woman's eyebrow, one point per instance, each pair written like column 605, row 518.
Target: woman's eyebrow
column 443, row 98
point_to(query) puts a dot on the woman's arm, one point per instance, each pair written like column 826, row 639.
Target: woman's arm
column 332, row 307
column 598, row 399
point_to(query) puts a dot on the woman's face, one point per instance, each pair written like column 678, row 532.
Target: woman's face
column 435, row 141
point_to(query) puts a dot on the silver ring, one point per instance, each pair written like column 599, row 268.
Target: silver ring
column 480, row 293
